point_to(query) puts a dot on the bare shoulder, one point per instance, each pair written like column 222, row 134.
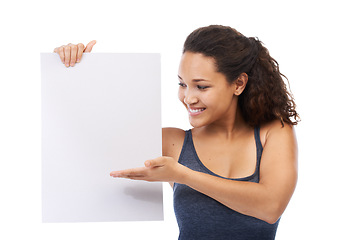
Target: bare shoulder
column 280, row 151
column 172, row 141
column 275, row 130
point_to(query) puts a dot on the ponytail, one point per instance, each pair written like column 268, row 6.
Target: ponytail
column 266, row 96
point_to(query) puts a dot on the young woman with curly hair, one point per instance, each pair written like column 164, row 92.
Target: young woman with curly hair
column 235, row 171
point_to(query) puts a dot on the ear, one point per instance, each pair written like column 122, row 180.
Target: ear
column 240, row 83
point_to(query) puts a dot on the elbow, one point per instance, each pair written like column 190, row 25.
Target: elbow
column 273, row 213
column 272, row 219
column 268, row 214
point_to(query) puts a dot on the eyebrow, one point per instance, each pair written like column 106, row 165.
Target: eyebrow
column 195, row 80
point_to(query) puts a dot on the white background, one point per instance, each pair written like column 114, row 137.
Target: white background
column 303, row 36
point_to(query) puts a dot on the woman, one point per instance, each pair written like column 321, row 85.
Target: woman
column 235, row 171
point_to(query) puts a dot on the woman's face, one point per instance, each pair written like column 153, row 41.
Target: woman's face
column 206, row 94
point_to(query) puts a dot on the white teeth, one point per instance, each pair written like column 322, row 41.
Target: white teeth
column 196, row 110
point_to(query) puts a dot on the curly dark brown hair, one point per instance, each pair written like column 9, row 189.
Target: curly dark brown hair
column 266, row 96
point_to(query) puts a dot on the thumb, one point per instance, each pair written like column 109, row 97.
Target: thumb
column 157, row 162
column 88, row 47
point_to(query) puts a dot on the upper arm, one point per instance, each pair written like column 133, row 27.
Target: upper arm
column 278, row 170
column 172, row 140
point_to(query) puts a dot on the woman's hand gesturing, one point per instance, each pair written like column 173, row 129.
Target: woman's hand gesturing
column 72, row 53
column 161, row 169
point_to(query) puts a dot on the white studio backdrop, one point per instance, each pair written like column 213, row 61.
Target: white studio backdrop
column 303, row 36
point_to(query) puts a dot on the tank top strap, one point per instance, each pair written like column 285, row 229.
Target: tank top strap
column 185, row 146
column 259, row 147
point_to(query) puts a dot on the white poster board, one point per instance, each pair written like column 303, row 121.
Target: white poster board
column 102, row 115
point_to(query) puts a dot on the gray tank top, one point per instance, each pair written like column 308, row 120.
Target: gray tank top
column 201, row 217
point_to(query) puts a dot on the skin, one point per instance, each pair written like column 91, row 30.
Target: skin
column 225, row 144
column 71, row 54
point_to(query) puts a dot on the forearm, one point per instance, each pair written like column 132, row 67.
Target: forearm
column 253, row 199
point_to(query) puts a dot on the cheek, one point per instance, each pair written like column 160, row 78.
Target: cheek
column 218, row 101
column 181, row 95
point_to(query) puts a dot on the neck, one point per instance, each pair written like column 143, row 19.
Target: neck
column 230, row 127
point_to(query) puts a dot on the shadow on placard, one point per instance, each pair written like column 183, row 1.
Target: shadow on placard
column 144, row 193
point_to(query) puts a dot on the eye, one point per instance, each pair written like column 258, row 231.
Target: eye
column 202, row 87
column 182, row 84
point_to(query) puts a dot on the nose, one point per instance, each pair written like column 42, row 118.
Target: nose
column 190, row 98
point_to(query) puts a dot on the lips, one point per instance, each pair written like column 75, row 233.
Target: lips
column 195, row 111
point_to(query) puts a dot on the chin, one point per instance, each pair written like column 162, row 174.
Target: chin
column 197, row 124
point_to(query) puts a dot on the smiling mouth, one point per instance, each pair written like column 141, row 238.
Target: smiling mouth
column 197, row 111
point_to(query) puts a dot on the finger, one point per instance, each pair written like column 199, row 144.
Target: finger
column 73, row 55
column 128, row 173
column 67, row 53
column 60, row 51
column 80, row 51
column 90, row 45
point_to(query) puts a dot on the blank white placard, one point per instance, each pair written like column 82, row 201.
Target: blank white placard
column 104, row 114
